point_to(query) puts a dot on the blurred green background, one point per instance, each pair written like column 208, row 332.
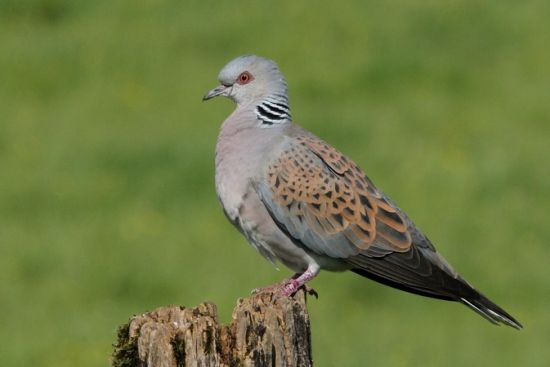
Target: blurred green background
column 107, row 202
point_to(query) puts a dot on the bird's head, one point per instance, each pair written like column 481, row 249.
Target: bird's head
column 249, row 79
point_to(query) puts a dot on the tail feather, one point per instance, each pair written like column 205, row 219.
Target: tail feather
column 442, row 286
column 490, row 311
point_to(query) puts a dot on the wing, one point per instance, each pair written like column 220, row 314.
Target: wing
column 326, row 203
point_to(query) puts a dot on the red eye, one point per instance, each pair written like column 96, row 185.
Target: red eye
column 244, row 78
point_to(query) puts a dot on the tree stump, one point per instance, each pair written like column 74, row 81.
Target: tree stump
column 265, row 331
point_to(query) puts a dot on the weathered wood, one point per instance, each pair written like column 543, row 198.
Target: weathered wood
column 265, row 331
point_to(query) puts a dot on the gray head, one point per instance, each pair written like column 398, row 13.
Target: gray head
column 250, row 79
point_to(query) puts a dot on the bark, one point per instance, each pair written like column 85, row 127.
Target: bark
column 266, row 330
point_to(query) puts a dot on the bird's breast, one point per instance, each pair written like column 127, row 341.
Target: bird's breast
column 242, row 152
column 237, row 161
column 231, row 188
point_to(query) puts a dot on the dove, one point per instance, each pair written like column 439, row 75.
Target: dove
column 301, row 202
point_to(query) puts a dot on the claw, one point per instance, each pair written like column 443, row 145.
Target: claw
column 311, row 291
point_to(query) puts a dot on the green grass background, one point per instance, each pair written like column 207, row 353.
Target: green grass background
column 107, row 202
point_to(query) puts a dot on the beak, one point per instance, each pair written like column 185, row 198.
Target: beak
column 220, row 90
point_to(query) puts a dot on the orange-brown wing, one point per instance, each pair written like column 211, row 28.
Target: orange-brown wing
column 326, row 203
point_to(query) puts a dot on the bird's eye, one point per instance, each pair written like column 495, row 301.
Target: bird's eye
column 244, row 78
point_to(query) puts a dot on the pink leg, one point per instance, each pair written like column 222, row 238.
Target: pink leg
column 289, row 286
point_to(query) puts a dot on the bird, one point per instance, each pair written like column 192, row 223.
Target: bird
column 299, row 201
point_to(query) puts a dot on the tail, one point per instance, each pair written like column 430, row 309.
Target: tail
column 439, row 285
column 489, row 310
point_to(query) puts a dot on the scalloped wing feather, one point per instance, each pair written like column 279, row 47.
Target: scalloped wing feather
column 323, row 200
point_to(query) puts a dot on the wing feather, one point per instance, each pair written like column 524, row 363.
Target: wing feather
column 324, row 201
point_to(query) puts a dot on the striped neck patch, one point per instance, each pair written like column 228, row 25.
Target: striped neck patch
column 273, row 110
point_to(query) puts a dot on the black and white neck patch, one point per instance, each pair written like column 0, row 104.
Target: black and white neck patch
column 273, row 110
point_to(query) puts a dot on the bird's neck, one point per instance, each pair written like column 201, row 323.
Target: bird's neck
column 273, row 110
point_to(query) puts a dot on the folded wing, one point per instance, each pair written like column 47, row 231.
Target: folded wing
column 327, row 204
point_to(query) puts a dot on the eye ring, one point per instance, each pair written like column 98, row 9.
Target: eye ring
column 244, row 78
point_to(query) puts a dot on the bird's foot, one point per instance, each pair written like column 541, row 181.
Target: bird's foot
column 286, row 288
column 290, row 286
column 282, row 288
